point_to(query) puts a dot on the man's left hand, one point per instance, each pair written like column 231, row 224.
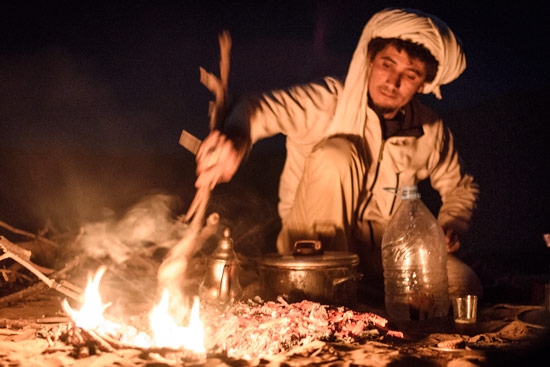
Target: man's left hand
column 452, row 239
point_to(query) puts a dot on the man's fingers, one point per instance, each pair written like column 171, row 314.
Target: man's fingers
column 453, row 247
column 217, row 161
column 212, row 140
column 207, row 178
column 452, row 240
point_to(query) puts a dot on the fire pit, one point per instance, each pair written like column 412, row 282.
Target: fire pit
column 241, row 330
column 298, row 334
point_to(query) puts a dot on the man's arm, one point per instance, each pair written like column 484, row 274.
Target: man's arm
column 459, row 193
column 301, row 112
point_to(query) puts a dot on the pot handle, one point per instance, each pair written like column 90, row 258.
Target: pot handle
column 307, row 247
column 353, row 277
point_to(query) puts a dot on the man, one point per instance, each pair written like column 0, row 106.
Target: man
column 348, row 141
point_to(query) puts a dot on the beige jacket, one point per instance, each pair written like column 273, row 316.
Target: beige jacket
column 305, row 114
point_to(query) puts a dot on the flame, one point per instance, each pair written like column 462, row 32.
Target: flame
column 166, row 333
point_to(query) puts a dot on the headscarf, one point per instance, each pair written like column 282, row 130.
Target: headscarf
column 406, row 24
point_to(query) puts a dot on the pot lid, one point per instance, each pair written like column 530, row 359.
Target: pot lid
column 327, row 259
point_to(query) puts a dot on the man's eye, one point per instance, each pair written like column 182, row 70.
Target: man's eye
column 411, row 76
column 386, row 65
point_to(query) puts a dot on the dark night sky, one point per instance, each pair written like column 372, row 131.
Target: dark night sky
column 139, row 61
column 116, row 78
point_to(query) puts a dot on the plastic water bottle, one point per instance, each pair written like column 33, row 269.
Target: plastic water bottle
column 414, row 258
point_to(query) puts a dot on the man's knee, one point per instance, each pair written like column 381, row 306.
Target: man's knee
column 462, row 279
column 334, row 155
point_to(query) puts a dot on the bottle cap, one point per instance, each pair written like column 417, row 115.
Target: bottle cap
column 405, row 192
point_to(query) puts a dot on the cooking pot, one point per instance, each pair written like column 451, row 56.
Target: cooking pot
column 309, row 273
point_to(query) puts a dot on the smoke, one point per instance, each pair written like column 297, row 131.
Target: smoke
column 149, row 222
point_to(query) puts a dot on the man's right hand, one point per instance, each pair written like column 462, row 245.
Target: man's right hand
column 452, row 240
column 217, row 160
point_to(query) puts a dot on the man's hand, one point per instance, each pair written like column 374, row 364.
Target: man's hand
column 452, row 239
column 217, row 160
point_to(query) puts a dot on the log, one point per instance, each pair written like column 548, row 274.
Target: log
column 33, row 290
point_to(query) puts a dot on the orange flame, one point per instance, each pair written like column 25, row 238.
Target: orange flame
column 166, row 333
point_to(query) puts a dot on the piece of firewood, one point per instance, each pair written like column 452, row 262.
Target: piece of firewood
column 19, row 324
column 103, row 345
column 217, row 109
column 22, row 256
column 174, row 266
column 40, row 287
column 27, row 234
column 10, row 332
column 33, row 290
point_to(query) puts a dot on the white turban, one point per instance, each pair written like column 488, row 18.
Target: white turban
column 406, row 24
column 425, row 29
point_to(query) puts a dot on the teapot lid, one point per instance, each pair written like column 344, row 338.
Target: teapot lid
column 224, row 250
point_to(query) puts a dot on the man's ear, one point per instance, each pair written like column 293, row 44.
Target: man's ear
column 421, row 88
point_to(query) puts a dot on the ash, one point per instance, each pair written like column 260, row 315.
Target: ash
column 257, row 329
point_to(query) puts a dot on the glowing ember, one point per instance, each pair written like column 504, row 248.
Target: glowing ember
column 166, row 333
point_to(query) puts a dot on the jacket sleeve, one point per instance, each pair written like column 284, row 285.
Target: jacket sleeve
column 459, row 193
column 302, row 113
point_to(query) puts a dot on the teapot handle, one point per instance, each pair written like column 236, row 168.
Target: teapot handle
column 307, row 247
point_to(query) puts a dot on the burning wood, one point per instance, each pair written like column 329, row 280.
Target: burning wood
column 92, row 329
column 244, row 330
column 253, row 330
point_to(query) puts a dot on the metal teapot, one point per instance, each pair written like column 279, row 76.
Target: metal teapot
column 221, row 281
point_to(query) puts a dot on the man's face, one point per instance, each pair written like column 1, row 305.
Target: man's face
column 394, row 80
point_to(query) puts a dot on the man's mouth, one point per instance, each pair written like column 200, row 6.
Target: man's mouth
column 389, row 93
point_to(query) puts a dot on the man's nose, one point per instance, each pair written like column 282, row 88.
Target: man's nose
column 394, row 79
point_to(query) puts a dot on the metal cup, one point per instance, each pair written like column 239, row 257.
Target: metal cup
column 465, row 314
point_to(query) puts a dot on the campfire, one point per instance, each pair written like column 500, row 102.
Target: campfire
column 180, row 327
column 163, row 335
column 242, row 330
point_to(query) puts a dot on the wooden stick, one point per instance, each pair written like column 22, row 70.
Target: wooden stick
column 27, row 234
column 53, row 349
column 15, row 252
column 18, row 324
column 10, row 332
column 40, row 287
column 219, row 88
column 53, row 320
column 103, row 345
column 16, row 296
column 174, row 266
